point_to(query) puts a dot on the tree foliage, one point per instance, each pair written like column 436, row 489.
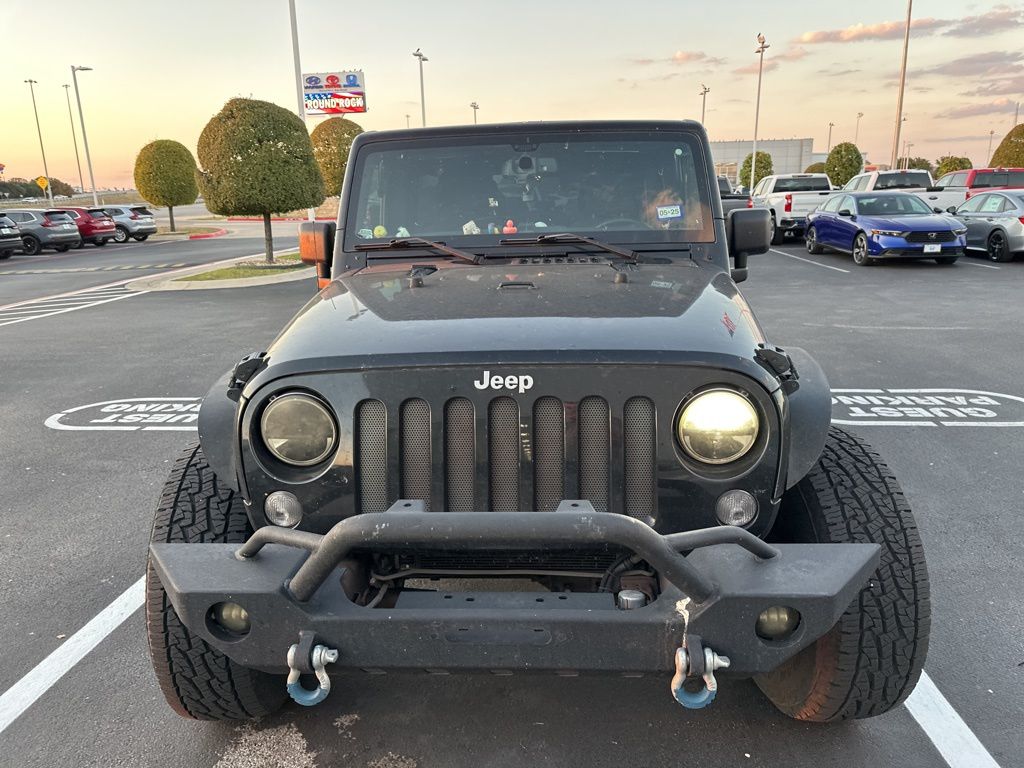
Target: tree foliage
column 815, row 168
column 1010, row 152
column 332, row 140
column 915, row 163
column 949, row 163
column 165, row 173
column 844, row 162
column 17, row 188
column 764, row 168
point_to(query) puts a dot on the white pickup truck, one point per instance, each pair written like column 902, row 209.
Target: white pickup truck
column 914, row 181
column 790, row 197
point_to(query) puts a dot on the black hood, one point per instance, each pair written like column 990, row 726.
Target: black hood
column 535, row 311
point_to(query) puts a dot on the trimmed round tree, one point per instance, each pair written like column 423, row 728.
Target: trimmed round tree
column 844, row 162
column 764, row 168
column 165, row 174
column 332, row 140
column 949, row 163
column 1010, row 152
column 256, row 159
column 815, row 168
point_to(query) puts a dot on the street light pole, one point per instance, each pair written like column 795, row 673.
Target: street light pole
column 71, row 117
column 46, row 171
column 988, row 157
column 475, row 107
column 903, row 83
column 762, row 46
column 856, row 131
column 830, row 127
column 300, row 99
column 85, row 139
column 407, row 121
column 704, row 91
column 423, row 102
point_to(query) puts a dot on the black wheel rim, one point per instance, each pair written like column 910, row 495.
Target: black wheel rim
column 31, row 247
column 995, row 247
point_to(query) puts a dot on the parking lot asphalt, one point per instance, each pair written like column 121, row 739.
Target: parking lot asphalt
column 29, row 277
column 76, row 507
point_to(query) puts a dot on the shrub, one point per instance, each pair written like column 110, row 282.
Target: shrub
column 844, row 162
column 764, row 168
column 1010, row 152
column 332, row 140
column 165, row 174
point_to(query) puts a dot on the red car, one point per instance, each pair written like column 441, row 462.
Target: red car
column 94, row 225
column 977, row 180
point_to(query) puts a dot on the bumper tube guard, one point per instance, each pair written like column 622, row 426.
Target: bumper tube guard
column 318, row 659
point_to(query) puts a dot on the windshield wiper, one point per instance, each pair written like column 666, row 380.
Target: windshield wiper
column 571, row 238
column 411, row 242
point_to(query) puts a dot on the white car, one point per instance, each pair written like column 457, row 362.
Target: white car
column 790, row 197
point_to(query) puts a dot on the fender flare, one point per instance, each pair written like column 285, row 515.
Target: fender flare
column 810, row 415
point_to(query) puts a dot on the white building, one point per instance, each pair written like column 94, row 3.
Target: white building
column 788, row 155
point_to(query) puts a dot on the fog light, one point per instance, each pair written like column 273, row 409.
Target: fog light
column 232, row 617
column 282, row 508
column 736, row 508
column 777, row 622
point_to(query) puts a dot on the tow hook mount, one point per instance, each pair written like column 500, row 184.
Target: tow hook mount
column 306, row 658
column 693, row 661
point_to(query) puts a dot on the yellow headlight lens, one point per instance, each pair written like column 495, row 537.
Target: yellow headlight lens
column 718, row 426
column 298, row 429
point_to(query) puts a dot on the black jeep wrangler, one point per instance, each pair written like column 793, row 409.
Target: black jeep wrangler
column 530, row 423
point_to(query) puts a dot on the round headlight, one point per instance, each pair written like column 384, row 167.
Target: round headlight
column 298, row 429
column 718, row 426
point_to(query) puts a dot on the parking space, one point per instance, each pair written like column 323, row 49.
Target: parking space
column 934, row 348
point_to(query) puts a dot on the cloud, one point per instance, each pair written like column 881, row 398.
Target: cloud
column 751, row 68
column 793, row 54
column 999, row 19
column 987, row 63
column 839, row 72
column 997, row 107
column 1007, row 86
column 680, row 58
column 885, row 30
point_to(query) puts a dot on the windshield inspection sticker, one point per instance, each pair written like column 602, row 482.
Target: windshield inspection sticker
column 669, row 212
column 131, row 414
column 926, row 408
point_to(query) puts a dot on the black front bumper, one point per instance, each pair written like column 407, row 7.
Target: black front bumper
column 716, row 591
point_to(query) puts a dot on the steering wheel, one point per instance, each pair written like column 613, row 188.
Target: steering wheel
column 606, row 225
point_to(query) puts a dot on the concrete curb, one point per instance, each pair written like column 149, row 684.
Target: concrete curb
column 207, row 235
column 278, row 218
column 167, row 281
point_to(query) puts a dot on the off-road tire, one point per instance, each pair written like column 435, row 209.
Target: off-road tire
column 870, row 661
column 30, row 245
column 197, row 680
column 811, row 241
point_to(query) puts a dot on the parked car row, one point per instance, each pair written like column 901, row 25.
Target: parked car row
column 33, row 230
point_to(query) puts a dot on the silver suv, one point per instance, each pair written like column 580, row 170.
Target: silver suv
column 132, row 221
column 45, row 228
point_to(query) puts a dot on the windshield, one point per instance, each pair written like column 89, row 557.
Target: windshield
column 802, row 184
column 892, row 205
column 903, row 180
column 475, row 190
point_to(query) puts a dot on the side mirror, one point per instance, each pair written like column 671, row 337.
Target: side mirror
column 951, row 209
column 316, row 248
column 936, row 210
column 748, row 231
column 846, row 212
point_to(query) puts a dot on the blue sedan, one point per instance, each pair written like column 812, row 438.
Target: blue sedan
column 877, row 225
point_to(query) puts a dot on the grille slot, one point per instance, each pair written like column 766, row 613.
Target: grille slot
column 503, row 417
column 594, row 451
column 371, row 437
column 459, row 454
column 638, row 428
column 548, row 453
column 926, row 237
column 415, row 442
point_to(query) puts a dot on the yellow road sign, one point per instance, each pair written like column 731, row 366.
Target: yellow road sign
column 43, row 183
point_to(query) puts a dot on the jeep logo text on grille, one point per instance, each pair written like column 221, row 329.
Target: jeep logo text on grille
column 521, row 383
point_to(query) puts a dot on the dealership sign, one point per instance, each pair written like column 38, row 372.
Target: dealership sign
column 926, row 408
column 149, row 414
column 334, row 93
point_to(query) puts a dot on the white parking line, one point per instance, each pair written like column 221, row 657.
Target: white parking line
column 974, row 264
column 48, row 311
column 809, row 261
column 42, row 677
column 956, row 742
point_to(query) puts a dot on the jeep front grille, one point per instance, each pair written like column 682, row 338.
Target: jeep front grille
column 506, row 455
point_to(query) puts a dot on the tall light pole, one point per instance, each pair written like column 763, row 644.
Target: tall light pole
column 704, row 91
column 423, row 103
column 906, row 163
column 762, row 46
column 856, row 131
column 475, row 107
column 830, row 127
column 85, row 139
column 407, row 120
column 71, row 117
column 46, row 171
column 903, row 83
column 988, row 157
column 300, row 99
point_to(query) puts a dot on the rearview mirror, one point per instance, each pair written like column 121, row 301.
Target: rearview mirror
column 316, row 248
column 748, row 231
